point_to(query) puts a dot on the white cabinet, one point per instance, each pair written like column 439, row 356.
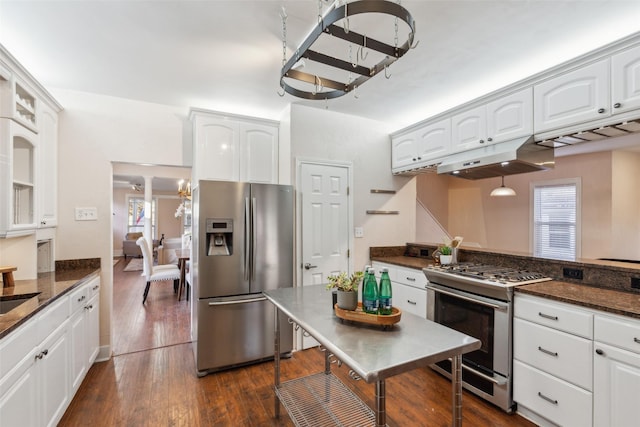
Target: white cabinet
column 501, row 120
column 421, row 146
column 408, row 285
column 47, row 167
column 625, row 81
column 616, row 379
column 36, row 391
column 17, row 179
column 575, row 97
column 17, row 99
column 44, row 361
column 84, row 333
column 553, row 368
column 233, row 149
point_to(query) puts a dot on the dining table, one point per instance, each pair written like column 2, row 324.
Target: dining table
column 184, row 255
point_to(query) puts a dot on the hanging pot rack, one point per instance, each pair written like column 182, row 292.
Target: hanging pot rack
column 326, row 25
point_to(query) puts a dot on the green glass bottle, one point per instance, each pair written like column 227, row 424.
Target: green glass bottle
column 370, row 296
column 385, row 293
column 364, row 281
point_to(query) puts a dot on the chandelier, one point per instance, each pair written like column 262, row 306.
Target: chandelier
column 346, row 57
column 184, row 191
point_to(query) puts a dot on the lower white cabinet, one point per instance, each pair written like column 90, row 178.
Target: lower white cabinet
column 84, row 322
column 553, row 361
column 575, row 366
column 616, row 375
column 409, row 292
column 44, row 361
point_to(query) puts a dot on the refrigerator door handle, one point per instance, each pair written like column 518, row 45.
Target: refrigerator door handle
column 247, row 239
column 254, row 232
column 242, row 301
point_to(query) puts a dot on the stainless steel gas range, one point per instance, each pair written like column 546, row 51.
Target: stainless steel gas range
column 477, row 299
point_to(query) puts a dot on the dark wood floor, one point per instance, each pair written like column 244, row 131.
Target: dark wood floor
column 151, row 379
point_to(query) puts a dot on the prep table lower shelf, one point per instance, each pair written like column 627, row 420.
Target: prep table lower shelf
column 322, row 399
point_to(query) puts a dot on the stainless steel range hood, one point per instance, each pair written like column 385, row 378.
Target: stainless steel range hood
column 500, row 159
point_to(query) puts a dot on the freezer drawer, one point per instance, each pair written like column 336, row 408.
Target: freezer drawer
column 234, row 332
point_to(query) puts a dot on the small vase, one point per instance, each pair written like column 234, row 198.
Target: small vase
column 445, row 259
column 347, row 300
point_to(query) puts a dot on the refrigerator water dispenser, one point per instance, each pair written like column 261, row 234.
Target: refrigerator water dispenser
column 219, row 237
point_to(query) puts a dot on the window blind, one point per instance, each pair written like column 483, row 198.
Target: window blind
column 554, row 221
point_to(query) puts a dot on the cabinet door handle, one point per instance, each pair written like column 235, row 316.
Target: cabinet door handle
column 489, row 139
column 81, row 298
column 601, row 110
column 550, row 353
column 547, row 316
column 411, row 279
column 636, row 340
column 95, row 287
column 481, row 141
column 599, row 352
column 548, row 399
column 617, row 105
column 411, row 302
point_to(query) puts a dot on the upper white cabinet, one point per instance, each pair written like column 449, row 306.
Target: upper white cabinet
column 28, row 152
column 625, row 81
column 418, row 147
column 17, row 179
column 258, row 153
column 578, row 96
column 47, row 166
column 233, row 149
column 501, row 120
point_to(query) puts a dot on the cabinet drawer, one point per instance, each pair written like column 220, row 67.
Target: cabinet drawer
column 93, row 288
column 557, row 353
column 550, row 397
column 410, row 299
column 619, row 332
column 411, row 277
column 78, row 299
column 52, row 317
column 555, row 315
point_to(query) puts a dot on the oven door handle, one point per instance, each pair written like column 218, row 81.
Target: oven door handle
column 501, row 381
column 466, row 298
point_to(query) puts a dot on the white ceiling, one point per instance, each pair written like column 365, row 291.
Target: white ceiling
column 227, row 55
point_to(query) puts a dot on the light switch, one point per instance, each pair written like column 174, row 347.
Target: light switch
column 359, row 232
column 86, row 214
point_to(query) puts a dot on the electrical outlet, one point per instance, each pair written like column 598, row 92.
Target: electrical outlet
column 359, row 232
column 86, row 214
column 572, row 273
column 635, row 282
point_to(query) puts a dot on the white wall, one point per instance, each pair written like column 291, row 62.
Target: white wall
column 320, row 134
column 95, row 130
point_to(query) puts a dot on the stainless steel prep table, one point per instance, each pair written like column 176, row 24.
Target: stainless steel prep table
column 373, row 354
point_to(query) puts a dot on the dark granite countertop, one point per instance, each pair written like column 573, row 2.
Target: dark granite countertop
column 609, row 300
column 51, row 287
column 405, row 261
column 604, row 298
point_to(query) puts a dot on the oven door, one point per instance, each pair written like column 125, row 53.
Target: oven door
column 486, row 371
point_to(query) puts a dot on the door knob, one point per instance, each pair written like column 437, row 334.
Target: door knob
column 308, row 266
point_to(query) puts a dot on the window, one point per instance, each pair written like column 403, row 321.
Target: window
column 136, row 214
column 556, row 219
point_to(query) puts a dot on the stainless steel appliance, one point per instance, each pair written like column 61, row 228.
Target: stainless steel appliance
column 242, row 245
column 477, row 300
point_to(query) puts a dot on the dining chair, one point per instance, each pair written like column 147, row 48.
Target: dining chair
column 156, row 273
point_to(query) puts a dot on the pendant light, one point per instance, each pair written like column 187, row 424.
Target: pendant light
column 503, row 191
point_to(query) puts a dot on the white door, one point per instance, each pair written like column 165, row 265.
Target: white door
column 434, row 140
column 324, row 224
column 625, row 80
column 403, row 151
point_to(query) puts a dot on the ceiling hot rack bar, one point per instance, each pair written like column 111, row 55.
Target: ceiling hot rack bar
column 326, row 26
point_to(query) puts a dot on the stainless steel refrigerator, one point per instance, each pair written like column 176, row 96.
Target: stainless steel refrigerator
column 242, row 245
